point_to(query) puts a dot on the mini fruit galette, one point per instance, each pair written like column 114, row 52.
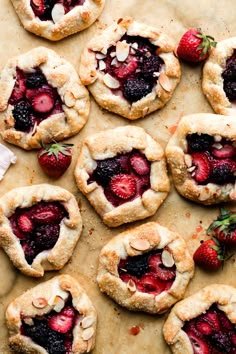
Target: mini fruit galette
column 202, row 158
column 57, row 19
column 39, row 227
column 130, row 68
column 204, row 323
column 42, row 99
column 146, row 268
column 54, row 317
column 123, row 174
column 219, row 77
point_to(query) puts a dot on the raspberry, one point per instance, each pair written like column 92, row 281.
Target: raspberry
column 21, row 114
column 136, row 88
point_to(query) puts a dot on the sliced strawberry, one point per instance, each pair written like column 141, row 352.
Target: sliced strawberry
column 16, row 230
column 233, row 339
column 162, row 272
column 212, row 318
column 204, row 327
column 142, row 184
column 123, row 186
column 38, row 7
column 63, row 321
column 225, row 323
column 151, row 285
column 43, row 102
column 125, row 69
column 49, row 213
column 25, row 223
column 203, row 168
column 140, row 164
column 225, row 151
column 199, row 345
column 19, row 89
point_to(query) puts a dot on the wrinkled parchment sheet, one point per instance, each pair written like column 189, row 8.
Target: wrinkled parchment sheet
column 189, row 219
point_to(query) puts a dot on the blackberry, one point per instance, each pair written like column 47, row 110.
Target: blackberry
column 46, row 236
column 137, row 265
column 105, row 170
column 230, row 72
column 230, row 89
column 222, row 342
column 136, row 88
column 199, row 142
column 35, row 80
column 55, row 343
column 150, row 65
column 223, row 174
column 21, row 114
column 38, row 332
column 30, row 251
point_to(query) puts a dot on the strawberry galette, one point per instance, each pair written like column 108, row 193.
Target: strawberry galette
column 54, row 317
column 202, row 158
column 130, row 68
column 123, row 174
column 219, row 77
column 42, row 99
column 39, row 227
column 57, row 19
column 146, row 268
column 204, row 323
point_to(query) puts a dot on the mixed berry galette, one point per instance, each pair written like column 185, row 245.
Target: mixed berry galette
column 146, row 268
column 219, row 77
column 204, row 323
column 130, row 68
column 57, row 19
column 202, row 158
column 42, row 99
column 54, row 317
column 39, row 227
column 123, row 174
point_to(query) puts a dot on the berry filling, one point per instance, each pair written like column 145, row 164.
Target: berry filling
column 211, row 332
column 229, row 77
column 53, row 331
column 148, row 272
column 45, row 9
column 134, row 64
column 123, row 177
column 213, row 159
column 33, row 99
column 37, row 227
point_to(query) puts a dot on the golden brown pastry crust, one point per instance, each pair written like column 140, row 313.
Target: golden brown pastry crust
column 177, row 157
column 59, row 74
column 223, row 295
column 212, row 80
column 70, row 227
column 44, row 298
column 74, row 21
column 93, row 77
column 158, row 237
column 110, row 143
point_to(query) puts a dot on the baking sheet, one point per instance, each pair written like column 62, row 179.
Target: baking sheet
column 190, row 220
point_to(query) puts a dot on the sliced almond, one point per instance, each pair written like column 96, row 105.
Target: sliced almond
column 140, row 245
column 217, row 138
column 87, row 322
column 59, row 303
column 134, row 45
column 29, row 321
column 114, row 62
column 40, row 302
column 165, row 82
column 217, row 146
column 58, row 12
column 110, row 82
column 156, row 74
column 101, row 65
column 167, row 259
column 188, row 160
column 131, row 286
column 191, row 169
column 100, row 56
column 112, row 54
column 87, row 333
column 122, row 50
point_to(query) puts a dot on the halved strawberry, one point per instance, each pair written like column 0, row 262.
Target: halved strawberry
column 212, row 318
column 199, row 345
column 43, row 102
column 25, row 223
column 47, row 213
column 225, row 151
column 18, row 89
column 63, row 321
column 204, row 328
column 38, row 7
column 162, row 272
column 203, row 168
column 123, row 186
column 126, row 68
column 151, row 285
column 140, row 164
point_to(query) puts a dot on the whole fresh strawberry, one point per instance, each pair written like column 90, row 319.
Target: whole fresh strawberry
column 55, row 158
column 195, row 46
column 209, row 255
column 224, row 227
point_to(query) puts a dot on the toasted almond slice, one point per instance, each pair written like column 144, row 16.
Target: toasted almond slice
column 29, row 321
column 112, row 54
column 156, row 74
column 88, row 333
column 102, row 65
column 217, row 146
column 167, row 259
column 40, row 302
column 217, row 138
column 100, row 56
column 114, row 62
column 87, row 321
column 188, row 160
column 131, row 286
column 140, row 245
column 110, row 82
column 191, row 169
column 122, row 50
column 165, row 82
column 58, row 12
column 59, row 303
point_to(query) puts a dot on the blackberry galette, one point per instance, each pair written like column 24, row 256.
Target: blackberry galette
column 204, row 323
column 123, row 174
column 39, row 227
column 57, row 19
column 202, row 158
column 130, row 68
column 54, row 317
column 146, row 268
column 219, row 77
column 42, row 99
